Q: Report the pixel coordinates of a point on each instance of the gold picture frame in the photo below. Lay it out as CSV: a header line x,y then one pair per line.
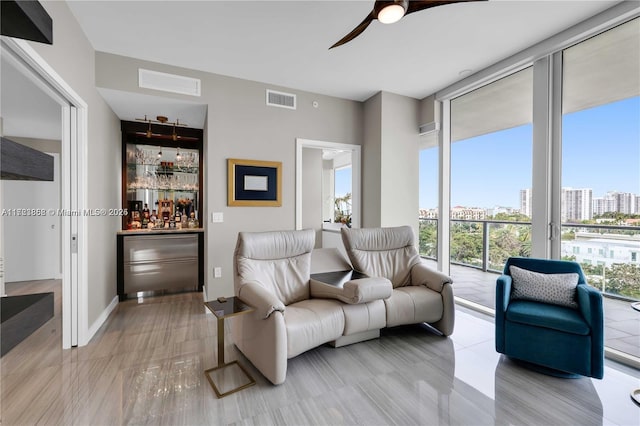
x,y
254,183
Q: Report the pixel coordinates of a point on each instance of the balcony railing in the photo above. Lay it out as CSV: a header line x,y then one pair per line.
x,y
609,255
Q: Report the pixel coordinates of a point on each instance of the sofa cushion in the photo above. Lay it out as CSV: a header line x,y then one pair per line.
x,y
545,315
311,323
558,289
364,317
413,304
382,252
279,261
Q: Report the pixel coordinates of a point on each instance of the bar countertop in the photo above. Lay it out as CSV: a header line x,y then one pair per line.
x,y
160,231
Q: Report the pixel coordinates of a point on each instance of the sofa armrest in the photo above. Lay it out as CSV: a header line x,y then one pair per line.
x,y
259,298
503,294
423,275
353,292
590,305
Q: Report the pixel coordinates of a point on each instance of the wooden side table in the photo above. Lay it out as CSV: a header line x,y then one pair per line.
x,y
230,307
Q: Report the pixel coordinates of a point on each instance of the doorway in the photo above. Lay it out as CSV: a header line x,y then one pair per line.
x,y
327,189
72,135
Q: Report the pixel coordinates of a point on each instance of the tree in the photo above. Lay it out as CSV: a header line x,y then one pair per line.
x,y
624,279
342,206
466,243
428,238
512,217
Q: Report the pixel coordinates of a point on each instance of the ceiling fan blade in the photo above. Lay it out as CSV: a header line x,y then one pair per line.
x,y
356,31
418,5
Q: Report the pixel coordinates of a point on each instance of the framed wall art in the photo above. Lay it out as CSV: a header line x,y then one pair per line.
x,y
253,183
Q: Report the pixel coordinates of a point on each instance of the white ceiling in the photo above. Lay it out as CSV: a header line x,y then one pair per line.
x,y
286,42
131,106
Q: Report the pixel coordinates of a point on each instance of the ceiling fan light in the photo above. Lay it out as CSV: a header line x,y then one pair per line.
x,y
390,14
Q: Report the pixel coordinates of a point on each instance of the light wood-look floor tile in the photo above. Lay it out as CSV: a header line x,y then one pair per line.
x,y
146,366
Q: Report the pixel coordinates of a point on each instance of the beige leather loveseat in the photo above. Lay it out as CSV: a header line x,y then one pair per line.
x,y
294,313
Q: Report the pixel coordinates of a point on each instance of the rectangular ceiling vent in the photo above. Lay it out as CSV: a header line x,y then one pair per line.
x,y
168,82
281,99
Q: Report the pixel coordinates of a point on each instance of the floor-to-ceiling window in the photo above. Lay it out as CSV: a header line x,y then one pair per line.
x,y
562,148
428,200
491,158
600,193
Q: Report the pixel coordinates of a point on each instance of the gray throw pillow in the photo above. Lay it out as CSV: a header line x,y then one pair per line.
x,y
557,289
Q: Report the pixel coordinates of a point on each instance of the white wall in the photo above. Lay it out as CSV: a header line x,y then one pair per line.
x,y
312,192
240,125
72,57
33,242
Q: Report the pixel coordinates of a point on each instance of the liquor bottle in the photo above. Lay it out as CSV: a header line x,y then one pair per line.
x,y
192,221
172,223
145,216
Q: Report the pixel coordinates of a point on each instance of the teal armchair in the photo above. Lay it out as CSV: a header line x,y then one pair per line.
x,y
560,340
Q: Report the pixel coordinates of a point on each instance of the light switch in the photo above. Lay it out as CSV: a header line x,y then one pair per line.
x,y
217,217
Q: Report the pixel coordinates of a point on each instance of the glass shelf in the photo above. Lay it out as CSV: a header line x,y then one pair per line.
x,y
164,180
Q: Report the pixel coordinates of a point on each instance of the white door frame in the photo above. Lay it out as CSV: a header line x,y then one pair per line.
x,y
355,176
73,168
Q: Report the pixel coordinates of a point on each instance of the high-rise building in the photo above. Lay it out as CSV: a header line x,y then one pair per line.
x,y
576,204
602,205
624,202
613,201
525,202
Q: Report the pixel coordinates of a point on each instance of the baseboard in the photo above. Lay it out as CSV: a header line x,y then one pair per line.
x,y
100,320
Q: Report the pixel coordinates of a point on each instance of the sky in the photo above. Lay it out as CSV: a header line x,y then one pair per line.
x,y
342,181
601,150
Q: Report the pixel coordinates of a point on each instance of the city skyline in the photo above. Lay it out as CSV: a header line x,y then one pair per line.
x,y
574,207
601,150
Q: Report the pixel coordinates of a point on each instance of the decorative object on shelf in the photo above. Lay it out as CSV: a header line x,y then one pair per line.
x,y
165,209
253,183
390,11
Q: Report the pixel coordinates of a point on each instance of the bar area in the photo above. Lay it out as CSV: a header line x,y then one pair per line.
x,y
161,244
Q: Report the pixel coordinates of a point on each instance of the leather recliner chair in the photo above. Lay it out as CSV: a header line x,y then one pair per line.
x,y
420,294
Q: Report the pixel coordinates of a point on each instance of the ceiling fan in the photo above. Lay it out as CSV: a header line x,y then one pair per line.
x,y
390,11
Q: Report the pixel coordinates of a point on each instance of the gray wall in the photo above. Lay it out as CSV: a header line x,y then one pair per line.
x,y
240,125
72,57
312,192
400,161
390,152
371,162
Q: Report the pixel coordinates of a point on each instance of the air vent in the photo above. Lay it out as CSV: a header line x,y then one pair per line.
x,y
281,99
428,128
168,82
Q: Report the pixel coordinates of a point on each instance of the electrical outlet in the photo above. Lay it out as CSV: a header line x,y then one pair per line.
x,y
217,272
